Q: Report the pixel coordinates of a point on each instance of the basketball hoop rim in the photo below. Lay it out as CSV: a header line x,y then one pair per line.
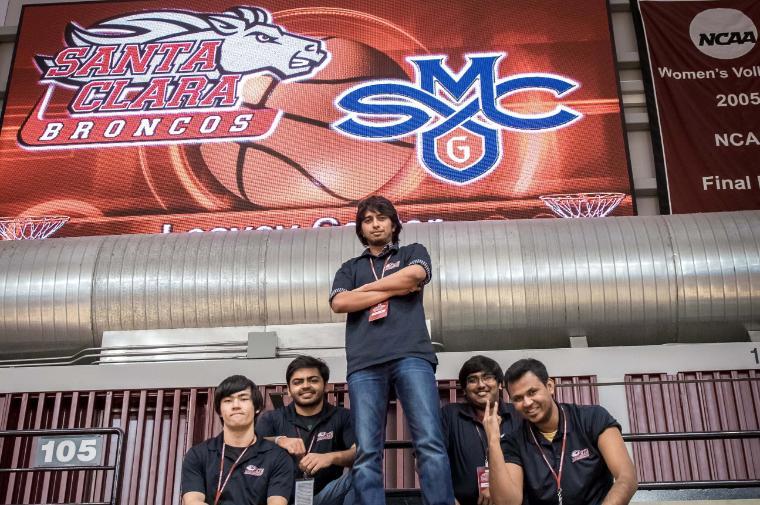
x,y
30,227
581,196
31,219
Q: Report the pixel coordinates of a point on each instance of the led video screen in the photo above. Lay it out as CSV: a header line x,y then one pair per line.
x,y
176,116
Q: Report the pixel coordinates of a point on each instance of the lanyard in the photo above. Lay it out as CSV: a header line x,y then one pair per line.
x,y
311,444
220,486
372,267
557,475
313,437
482,444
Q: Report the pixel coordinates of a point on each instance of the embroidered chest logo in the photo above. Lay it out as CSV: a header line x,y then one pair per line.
x,y
580,454
392,265
324,435
254,471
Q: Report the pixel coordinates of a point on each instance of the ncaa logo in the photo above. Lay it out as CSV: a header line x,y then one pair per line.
x,y
457,117
724,34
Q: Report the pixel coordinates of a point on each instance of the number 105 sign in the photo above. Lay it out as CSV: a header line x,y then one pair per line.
x,y
74,450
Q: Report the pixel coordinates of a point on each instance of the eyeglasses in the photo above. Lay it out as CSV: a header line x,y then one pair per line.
x,y
487,378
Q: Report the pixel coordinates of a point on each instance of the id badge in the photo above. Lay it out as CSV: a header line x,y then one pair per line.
x,y
482,477
378,311
304,492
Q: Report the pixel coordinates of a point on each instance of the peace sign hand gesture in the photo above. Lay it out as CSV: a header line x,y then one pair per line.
x,y
492,422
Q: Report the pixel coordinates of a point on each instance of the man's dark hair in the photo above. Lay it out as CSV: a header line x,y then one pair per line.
x,y
381,205
307,362
235,384
479,363
523,366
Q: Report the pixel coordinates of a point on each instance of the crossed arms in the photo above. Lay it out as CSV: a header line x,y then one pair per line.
x,y
405,281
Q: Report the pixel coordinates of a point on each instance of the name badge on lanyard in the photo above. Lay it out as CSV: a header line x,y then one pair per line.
x,y
304,492
380,310
482,477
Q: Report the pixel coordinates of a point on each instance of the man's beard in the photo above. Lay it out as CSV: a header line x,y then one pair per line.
x,y
308,403
377,242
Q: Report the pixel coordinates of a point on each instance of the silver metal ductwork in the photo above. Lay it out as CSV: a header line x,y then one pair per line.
x,y
496,285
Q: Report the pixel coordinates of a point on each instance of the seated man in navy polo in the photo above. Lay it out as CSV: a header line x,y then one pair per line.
x,y
318,436
562,453
482,380
236,467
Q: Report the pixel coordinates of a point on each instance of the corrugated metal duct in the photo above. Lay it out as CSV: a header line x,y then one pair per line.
x,y
497,284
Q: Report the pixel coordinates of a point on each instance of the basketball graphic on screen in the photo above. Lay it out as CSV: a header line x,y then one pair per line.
x,y
304,162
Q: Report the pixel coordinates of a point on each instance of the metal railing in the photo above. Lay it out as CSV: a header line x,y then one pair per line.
x,y
105,467
649,437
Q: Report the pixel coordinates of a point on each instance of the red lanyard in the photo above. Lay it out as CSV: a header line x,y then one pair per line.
x,y
483,445
220,486
313,437
311,444
557,476
372,267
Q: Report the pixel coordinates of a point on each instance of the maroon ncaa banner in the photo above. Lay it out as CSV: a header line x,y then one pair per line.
x,y
704,65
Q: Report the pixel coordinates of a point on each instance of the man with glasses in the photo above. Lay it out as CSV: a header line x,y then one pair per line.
x,y
481,381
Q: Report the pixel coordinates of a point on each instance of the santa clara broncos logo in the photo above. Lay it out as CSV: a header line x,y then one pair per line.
x,y
190,53
166,61
390,110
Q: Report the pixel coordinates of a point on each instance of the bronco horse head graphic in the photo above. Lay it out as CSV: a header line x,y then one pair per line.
x,y
249,43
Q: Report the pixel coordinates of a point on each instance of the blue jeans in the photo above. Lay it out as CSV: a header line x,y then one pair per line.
x,y
338,492
415,385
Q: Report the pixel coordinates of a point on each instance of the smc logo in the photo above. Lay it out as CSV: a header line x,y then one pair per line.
x,y
441,101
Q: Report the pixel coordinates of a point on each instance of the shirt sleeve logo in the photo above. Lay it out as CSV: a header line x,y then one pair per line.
x,y
254,471
324,435
579,454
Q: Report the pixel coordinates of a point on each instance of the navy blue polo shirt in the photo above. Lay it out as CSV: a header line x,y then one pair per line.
x,y
467,445
585,477
265,470
332,431
403,332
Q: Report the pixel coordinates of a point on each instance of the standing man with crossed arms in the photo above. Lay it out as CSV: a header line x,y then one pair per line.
x,y
388,346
